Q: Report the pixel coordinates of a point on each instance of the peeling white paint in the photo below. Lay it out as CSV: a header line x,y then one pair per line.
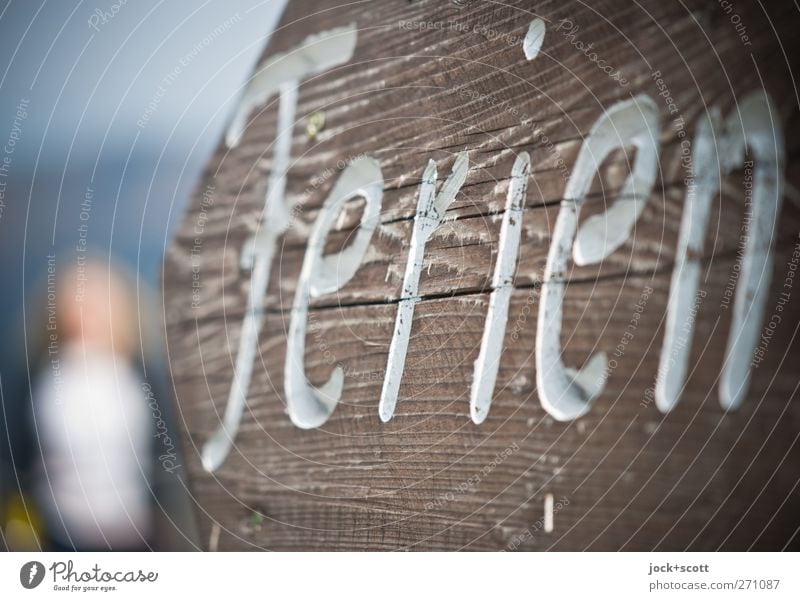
x,y
257,255
317,53
548,513
431,209
674,359
568,393
602,234
565,393
484,374
310,406
719,148
280,75
533,39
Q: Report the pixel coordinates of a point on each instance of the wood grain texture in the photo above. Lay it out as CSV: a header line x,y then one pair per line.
x,y
625,476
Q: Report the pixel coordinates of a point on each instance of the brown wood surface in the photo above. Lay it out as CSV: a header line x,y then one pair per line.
x,y
625,476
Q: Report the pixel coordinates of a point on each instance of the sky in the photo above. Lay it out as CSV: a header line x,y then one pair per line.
x,y
111,109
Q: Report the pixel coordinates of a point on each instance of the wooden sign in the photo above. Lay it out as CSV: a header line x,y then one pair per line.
x,y
471,275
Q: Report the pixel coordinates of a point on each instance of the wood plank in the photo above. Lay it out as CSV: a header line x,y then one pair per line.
x,y
624,476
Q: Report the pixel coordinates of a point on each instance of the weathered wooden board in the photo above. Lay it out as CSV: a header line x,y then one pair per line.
x,y
427,80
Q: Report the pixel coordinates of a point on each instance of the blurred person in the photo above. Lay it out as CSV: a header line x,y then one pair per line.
x,y
91,420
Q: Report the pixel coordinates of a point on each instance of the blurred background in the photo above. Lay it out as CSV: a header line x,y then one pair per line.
x,y
108,111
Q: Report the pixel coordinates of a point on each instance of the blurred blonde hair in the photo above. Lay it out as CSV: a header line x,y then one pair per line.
x,y
97,303
96,307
